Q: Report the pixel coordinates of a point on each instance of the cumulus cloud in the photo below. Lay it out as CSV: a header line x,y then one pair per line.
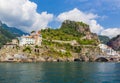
x,y
89,18
111,32
23,15
77,15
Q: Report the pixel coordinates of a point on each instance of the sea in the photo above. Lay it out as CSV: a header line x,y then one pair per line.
x,y
60,72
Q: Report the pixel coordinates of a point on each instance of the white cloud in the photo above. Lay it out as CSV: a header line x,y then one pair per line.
x,y
23,14
89,18
95,27
77,15
111,32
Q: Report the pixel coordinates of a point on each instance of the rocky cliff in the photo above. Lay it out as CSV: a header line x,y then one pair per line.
x,y
79,27
115,43
71,30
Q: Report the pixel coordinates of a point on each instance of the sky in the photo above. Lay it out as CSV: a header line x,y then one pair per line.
x,y
103,16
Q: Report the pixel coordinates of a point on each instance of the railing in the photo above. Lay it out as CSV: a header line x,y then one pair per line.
x,y
108,56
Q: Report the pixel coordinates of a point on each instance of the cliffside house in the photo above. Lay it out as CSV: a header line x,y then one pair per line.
x,y
9,45
15,41
12,44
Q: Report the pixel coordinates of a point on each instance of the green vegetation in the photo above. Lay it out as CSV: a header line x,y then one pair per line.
x,y
5,36
8,33
14,30
104,39
69,31
55,53
36,46
32,31
27,49
64,46
87,42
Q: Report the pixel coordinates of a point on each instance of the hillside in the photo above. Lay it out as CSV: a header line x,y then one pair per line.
x,y
115,43
71,30
14,30
104,39
7,33
5,36
74,39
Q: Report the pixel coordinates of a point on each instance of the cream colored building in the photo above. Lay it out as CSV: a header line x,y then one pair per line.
x,y
32,39
15,41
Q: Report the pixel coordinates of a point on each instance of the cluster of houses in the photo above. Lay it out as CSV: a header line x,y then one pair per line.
x,y
35,38
108,50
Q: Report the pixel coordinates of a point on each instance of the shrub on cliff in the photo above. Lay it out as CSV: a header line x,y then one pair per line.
x,y
27,49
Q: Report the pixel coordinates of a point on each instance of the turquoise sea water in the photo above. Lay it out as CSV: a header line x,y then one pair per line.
x,y
62,72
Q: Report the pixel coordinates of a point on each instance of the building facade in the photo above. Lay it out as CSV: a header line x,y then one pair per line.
x,y
32,39
108,50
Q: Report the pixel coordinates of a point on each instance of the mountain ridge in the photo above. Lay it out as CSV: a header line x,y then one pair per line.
x,y
5,36
14,30
104,39
8,33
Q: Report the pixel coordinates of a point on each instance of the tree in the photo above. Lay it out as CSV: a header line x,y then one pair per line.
x,y
32,32
27,49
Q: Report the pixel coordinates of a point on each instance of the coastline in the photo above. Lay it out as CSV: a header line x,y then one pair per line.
x,y
52,60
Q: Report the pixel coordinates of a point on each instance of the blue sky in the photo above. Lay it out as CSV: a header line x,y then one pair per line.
x,y
108,10
102,15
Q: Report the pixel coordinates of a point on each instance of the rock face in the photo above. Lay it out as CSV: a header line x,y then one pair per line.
x,y
115,43
82,28
79,28
76,26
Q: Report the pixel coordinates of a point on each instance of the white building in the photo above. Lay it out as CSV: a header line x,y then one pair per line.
x,y
108,50
33,39
25,40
